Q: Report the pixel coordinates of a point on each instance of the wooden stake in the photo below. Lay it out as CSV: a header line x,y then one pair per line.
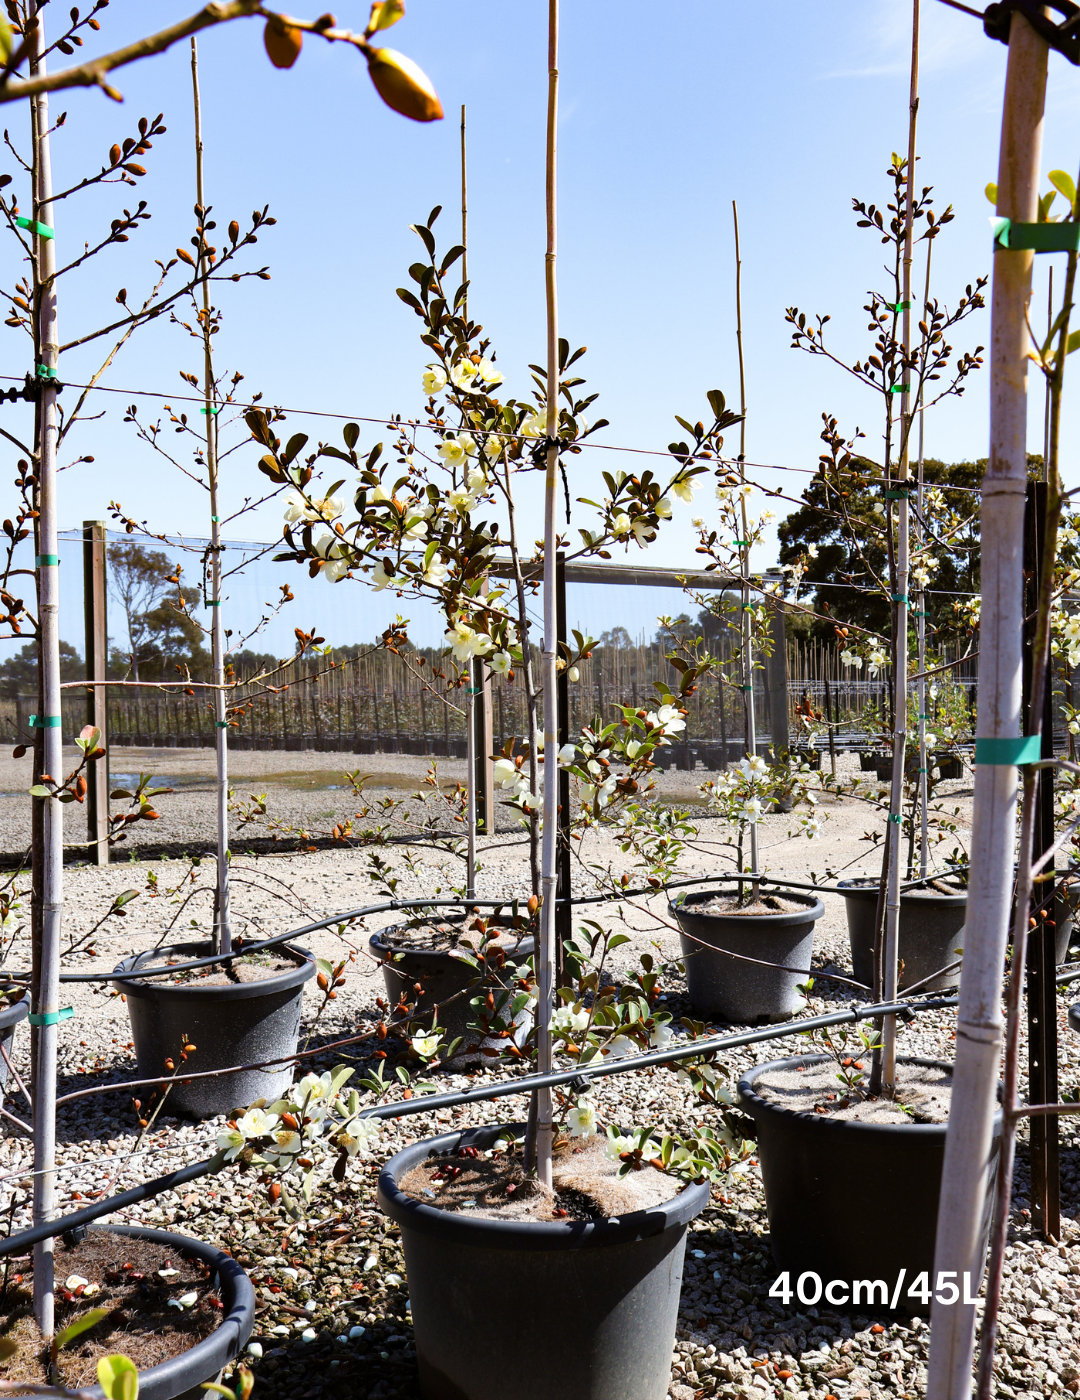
x,y
95,609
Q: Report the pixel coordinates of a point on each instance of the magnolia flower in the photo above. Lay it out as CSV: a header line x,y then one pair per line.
x,y
505,772
381,578
461,500
465,642
619,1046
617,1144
462,374
232,1143
452,451
415,528
493,447
876,660
313,1087
487,373
812,550
336,554
296,508
568,755
501,662
633,748
851,658
667,718
569,1019
660,1034
257,1123
380,495
684,489
662,509
621,525
426,1046
328,508
535,425
477,480
643,531
754,767
531,801
581,1120
750,811
573,673
812,827
436,572
287,1143
434,379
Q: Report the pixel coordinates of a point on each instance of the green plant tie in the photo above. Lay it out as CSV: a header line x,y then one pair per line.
x,y
42,230
44,561
1006,753
50,1018
213,411
1040,238
920,614
899,597
216,519
745,687
743,544
46,371
474,690
214,603
895,817
44,721
899,388
221,724
900,306
899,495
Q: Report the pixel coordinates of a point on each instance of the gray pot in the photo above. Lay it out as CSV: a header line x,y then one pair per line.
x,y
237,1024
445,981
10,1016
726,988
182,1377
931,930
596,1300
814,1167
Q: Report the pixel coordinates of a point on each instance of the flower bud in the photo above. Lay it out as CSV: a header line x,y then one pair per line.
x,y
282,42
404,86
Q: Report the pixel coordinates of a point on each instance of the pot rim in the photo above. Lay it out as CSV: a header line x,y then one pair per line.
x,y
814,910
12,1014
865,885
206,1358
521,1234
238,991
757,1106
377,943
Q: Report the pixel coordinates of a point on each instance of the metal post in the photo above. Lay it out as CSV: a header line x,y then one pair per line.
x,y
95,605
1041,958
563,914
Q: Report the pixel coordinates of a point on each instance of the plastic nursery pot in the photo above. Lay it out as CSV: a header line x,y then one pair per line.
x,y
849,1200
868,762
745,993
596,1301
10,1016
182,1377
446,980
948,765
931,931
233,1024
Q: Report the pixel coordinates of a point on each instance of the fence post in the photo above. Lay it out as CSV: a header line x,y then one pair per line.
x,y
95,608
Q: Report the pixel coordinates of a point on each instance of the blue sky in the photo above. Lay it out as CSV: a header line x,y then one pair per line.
x,y
667,116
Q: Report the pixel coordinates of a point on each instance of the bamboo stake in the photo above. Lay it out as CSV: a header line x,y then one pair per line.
x,y
222,940
993,837
45,991
924,793
549,853
900,604
746,621
474,665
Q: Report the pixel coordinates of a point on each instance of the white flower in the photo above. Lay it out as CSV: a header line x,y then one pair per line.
x,y
232,1143
466,643
381,577
426,1046
643,531
812,550
415,528
569,1020
663,509
876,660
621,525
505,772
296,508
328,508
436,572
463,373
753,768
619,1046
434,379
531,801
667,718
452,451
812,827
493,447
535,425
461,500
660,1034
568,755
477,481
573,674
487,373
256,1123
288,1143
684,489
581,1120
501,662
616,1145
750,811
380,495
851,658
74,1281
336,554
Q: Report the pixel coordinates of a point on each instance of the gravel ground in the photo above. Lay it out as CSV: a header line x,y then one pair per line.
x,y
340,1281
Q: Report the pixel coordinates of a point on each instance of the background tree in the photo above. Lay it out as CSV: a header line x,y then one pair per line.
x,y
161,634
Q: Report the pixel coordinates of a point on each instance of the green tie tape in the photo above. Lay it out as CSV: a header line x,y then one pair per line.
x,y
213,411
214,603
899,388
42,230
221,724
216,519
46,372
743,544
920,614
44,721
1005,753
1040,238
899,597
474,690
50,1018
895,817
900,306
744,687
44,561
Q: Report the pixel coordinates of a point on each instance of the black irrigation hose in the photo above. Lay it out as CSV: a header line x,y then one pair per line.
x,y
431,1103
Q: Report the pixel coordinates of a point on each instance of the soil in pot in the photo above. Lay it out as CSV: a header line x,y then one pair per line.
x,y
850,1194
744,964
136,1280
585,1180
432,955
250,967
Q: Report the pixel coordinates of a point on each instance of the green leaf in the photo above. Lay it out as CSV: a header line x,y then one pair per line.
x,y
118,1378
79,1326
1062,181
351,434
385,14
991,193
38,791
8,1348
220,1389
1045,202
717,402
341,1074
1073,342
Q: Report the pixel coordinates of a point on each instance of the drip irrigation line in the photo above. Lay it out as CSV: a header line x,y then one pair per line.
x,y
70,1167
525,1085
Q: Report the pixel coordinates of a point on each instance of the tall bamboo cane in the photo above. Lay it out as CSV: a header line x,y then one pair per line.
x,y
924,793
993,834
548,854
222,923
45,990
475,665
746,626
900,599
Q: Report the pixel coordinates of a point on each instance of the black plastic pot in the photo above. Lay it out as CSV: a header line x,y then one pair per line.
x,y
235,1024
850,1200
948,765
446,981
745,993
10,1016
597,1298
868,762
931,930
182,1377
